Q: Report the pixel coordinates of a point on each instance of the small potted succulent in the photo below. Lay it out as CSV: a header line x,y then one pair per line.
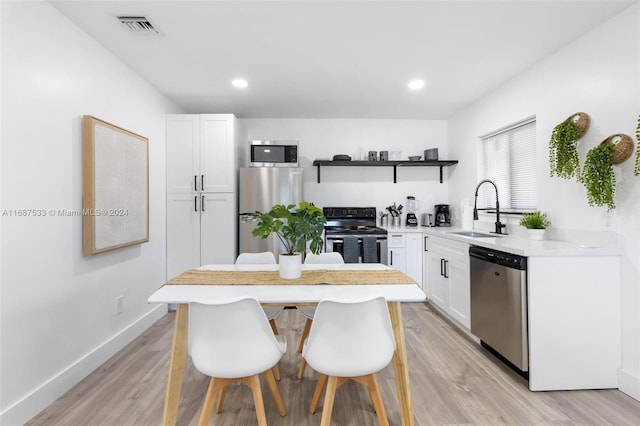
x,y
294,227
536,223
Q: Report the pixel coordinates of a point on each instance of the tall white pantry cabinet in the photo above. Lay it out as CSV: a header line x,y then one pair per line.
x,y
201,190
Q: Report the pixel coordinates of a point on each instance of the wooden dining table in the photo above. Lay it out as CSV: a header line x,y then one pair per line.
x,y
345,282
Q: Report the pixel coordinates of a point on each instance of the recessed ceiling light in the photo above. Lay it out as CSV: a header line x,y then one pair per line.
x,y
416,84
239,83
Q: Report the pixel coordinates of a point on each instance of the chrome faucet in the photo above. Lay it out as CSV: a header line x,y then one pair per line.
x,y
499,225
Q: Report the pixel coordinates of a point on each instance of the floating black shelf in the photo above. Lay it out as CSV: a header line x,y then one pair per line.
x,y
394,164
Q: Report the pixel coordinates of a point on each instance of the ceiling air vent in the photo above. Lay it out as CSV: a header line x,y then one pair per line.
x,y
137,25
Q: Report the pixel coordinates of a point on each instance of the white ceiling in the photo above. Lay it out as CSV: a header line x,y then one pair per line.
x,y
336,59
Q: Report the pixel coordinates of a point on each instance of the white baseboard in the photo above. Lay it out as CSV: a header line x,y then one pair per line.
x,y
41,397
629,384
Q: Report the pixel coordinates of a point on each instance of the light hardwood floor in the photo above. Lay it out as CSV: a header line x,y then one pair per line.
x,y
453,381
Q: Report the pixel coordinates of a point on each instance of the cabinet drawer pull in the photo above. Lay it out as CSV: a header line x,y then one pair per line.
x,y
442,267
425,243
202,203
202,182
391,253
195,203
195,182
446,267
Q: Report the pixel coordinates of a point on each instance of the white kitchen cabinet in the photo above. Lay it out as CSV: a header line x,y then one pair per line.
x,y
414,256
197,236
574,322
201,153
397,253
405,253
447,280
201,194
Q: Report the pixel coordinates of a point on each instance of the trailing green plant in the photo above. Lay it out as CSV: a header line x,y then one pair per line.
x,y
598,176
636,167
535,220
563,152
293,226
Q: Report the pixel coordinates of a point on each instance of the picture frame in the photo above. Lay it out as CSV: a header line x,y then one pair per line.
x,y
115,194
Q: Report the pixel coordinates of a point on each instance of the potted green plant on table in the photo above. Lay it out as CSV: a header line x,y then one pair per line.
x,y
537,223
294,227
598,176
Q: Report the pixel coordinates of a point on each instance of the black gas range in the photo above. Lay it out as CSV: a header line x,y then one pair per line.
x,y
352,231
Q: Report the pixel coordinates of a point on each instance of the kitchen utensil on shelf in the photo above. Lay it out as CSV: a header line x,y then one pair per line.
x,y
431,154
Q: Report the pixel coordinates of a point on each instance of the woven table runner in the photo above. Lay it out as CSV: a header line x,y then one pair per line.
x,y
320,276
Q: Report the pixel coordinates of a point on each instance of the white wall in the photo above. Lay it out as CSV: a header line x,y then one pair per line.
x,y
58,319
360,186
598,74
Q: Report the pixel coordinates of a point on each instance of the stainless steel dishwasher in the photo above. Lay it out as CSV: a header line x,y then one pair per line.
x,y
499,303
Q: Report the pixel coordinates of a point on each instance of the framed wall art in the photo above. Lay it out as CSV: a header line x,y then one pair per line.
x,y
115,187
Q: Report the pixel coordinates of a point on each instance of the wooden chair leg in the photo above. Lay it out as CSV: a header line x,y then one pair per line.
x,y
329,397
254,383
305,334
216,388
273,387
322,379
376,399
303,365
209,399
274,327
221,394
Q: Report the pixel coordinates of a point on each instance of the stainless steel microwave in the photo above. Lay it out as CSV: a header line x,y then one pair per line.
x,y
273,154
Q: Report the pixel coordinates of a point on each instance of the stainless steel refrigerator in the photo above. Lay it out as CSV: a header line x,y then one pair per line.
x,y
260,188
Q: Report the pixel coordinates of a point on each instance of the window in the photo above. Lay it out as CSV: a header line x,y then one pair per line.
x,y
509,159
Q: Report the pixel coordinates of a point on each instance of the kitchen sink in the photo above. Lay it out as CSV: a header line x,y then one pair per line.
x,y
473,234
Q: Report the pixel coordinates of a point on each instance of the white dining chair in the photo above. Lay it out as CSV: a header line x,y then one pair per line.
x,y
272,312
351,340
309,311
233,342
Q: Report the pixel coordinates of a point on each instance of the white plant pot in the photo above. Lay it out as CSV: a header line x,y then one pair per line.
x,y
290,265
536,234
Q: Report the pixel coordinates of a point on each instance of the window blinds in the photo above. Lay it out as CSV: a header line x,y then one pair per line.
x,y
509,159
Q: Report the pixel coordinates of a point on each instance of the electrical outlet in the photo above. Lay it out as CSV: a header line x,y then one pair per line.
x,y
119,304
609,223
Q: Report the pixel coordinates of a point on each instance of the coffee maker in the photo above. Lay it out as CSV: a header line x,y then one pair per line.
x,y
443,215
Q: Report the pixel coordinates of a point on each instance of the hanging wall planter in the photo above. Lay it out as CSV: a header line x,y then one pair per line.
x,y
636,167
598,177
563,153
622,147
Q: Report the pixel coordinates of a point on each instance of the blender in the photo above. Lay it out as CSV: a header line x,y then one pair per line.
x,y
412,207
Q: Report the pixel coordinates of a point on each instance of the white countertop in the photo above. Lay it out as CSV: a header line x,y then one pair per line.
x,y
521,245
418,229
